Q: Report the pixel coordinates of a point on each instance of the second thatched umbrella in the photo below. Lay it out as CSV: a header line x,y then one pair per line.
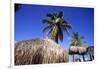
x,y
73,50
77,46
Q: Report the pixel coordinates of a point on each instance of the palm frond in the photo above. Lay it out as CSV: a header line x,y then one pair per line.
x,y
46,28
47,21
77,39
66,30
75,35
60,14
50,15
57,25
66,24
60,33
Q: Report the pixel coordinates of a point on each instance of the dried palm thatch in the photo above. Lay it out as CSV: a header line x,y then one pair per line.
x,y
80,50
77,50
39,51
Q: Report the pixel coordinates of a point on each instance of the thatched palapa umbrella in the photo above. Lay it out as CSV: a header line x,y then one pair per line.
x,y
39,51
77,46
73,50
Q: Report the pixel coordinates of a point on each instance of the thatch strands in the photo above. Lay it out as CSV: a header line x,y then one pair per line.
x,y
39,51
77,50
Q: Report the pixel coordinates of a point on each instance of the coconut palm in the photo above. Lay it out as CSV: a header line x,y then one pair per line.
x,y
56,25
77,45
76,40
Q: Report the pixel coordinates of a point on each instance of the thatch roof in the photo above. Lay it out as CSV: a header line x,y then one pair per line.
x,y
39,51
77,50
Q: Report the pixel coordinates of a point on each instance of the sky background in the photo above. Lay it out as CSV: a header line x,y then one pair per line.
x,y
28,22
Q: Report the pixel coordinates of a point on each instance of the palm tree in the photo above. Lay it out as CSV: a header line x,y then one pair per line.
x,y
76,40
77,45
56,25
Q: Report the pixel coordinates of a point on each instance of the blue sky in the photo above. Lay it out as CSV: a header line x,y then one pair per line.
x,y
28,22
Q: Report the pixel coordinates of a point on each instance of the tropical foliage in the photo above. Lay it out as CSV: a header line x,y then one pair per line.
x,y
56,25
77,40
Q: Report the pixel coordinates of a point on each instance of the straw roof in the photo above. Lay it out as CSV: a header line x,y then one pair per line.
x,y
77,50
39,51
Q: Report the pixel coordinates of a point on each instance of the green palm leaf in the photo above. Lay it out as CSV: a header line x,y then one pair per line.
x,y
60,33
46,28
60,14
56,25
76,40
47,21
